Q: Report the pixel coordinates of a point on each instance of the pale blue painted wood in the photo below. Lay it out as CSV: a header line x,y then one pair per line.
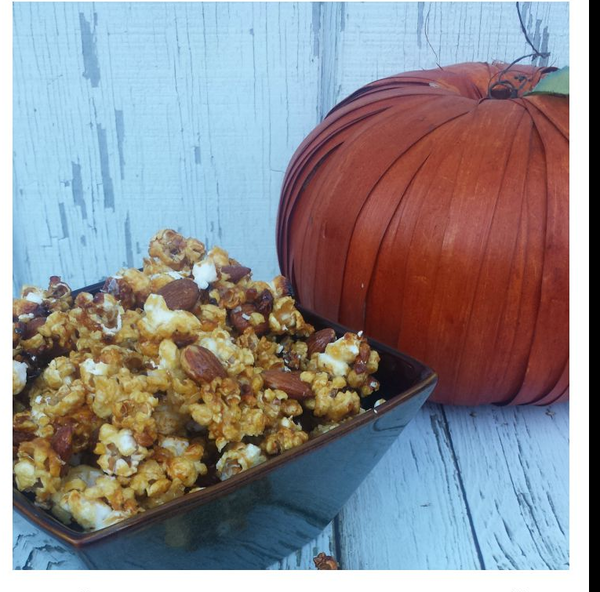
x,y
466,488
514,465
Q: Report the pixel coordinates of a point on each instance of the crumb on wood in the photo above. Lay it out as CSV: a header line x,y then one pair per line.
x,y
323,561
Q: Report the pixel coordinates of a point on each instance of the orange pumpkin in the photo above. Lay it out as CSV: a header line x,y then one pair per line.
x,y
433,214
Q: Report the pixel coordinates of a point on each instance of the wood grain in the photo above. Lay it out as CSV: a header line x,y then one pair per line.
x,y
480,488
514,464
410,513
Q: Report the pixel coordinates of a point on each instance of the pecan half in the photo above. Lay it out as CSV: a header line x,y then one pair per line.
x,y
180,294
200,364
289,383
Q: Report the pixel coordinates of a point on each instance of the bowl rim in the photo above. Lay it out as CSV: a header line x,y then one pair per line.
x,y
78,540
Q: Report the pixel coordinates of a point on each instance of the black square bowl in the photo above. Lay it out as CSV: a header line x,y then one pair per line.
x,y
261,515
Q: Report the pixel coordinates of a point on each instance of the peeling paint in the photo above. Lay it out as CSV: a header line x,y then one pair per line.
x,y
128,242
317,9
120,127
77,189
420,23
544,48
63,220
107,183
91,68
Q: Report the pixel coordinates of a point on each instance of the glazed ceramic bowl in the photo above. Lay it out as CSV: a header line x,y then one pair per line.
x,y
261,515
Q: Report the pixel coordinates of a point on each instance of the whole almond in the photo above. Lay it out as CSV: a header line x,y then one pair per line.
x,y
288,382
200,364
180,294
235,272
318,341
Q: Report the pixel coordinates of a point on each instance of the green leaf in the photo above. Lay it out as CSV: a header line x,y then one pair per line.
x,y
556,83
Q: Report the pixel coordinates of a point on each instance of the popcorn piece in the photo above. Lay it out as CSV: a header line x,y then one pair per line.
x,y
92,499
339,355
284,436
239,457
285,318
175,251
234,358
161,323
182,459
205,273
51,404
119,453
101,312
331,401
38,469
19,376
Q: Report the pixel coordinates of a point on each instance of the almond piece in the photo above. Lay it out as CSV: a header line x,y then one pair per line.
x,y
180,294
318,341
31,328
264,303
289,383
121,290
240,319
200,364
235,272
62,442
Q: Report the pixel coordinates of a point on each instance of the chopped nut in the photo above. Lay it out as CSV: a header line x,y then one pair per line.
x,y
323,561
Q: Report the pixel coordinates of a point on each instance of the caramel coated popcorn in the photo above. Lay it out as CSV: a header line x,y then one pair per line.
x,y
168,380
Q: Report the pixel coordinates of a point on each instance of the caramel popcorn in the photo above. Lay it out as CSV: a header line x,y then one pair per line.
x,y
170,378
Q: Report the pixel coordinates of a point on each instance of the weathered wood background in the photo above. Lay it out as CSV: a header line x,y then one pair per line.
x,y
133,117
129,117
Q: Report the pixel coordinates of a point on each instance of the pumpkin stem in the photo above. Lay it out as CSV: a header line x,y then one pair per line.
x,y
502,89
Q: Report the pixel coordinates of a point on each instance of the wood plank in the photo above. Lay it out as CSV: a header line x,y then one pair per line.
x,y
410,512
514,463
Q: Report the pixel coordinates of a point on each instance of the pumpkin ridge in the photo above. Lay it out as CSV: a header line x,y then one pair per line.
x,y
330,187
484,253
545,301
524,229
374,187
